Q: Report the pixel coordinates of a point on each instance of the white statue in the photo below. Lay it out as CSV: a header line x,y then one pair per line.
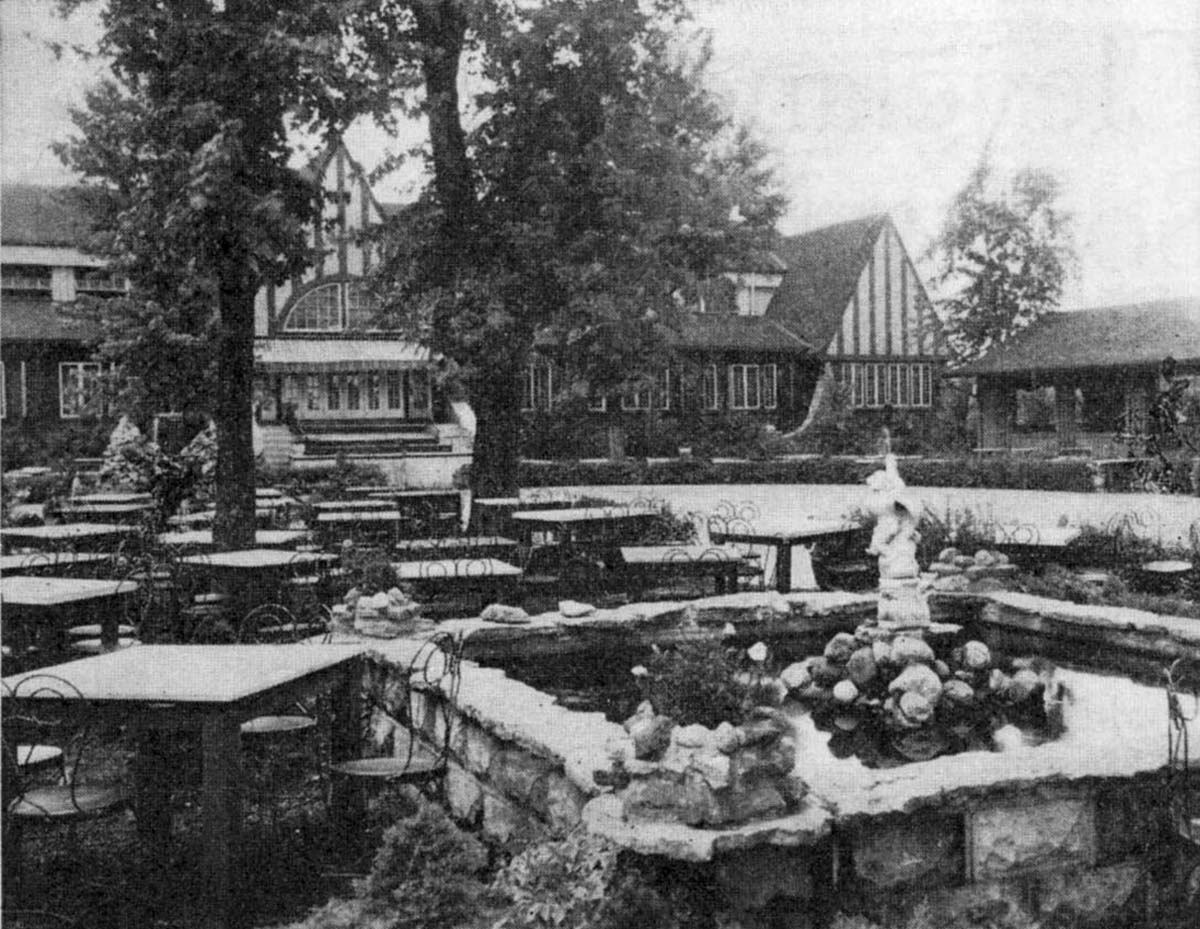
x,y
894,542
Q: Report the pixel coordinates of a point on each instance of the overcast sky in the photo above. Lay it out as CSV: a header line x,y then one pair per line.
x,y
879,105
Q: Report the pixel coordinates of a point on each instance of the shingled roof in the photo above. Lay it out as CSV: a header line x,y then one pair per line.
x,y
750,333
1114,336
37,319
32,215
823,268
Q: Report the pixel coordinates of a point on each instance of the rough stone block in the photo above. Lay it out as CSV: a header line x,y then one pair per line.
x,y
504,821
464,795
477,748
1037,834
519,774
902,850
1129,820
563,805
754,877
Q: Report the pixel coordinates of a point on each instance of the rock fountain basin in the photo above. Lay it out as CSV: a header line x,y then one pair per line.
x,y
1079,822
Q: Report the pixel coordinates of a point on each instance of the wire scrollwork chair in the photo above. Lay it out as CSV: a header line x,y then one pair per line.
x,y
48,728
420,703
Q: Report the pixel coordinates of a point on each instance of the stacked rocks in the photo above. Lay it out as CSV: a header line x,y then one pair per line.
x,y
708,777
383,615
955,571
889,700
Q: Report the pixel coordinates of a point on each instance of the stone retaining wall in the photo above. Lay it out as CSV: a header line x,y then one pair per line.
x,y
1056,839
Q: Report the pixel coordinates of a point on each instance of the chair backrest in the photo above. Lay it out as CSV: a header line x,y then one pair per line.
x,y
275,624
43,709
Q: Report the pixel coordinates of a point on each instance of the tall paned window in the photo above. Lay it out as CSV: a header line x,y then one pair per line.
x,y
420,394
709,391
744,391
78,389
333,391
768,382
395,391
3,392
662,389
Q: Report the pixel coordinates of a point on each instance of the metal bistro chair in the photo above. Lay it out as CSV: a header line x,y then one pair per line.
x,y
421,707
44,713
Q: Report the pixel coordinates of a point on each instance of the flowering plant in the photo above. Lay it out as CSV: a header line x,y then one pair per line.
x,y
704,681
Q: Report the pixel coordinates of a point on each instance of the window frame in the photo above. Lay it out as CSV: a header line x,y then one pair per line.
x,y
745,376
80,405
710,388
769,400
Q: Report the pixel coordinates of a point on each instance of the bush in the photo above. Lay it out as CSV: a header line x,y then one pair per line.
x,y
29,444
1014,473
424,876
325,481
701,682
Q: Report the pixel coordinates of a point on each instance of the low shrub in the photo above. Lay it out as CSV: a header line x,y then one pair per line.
x,y
425,876
29,443
702,681
1013,473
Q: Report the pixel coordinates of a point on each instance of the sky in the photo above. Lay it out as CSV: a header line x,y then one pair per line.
x,y
871,105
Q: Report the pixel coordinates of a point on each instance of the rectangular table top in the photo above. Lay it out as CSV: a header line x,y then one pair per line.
x,y
105,509
34,591
465,541
683,554
263,538
41,561
211,675
255,559
347,506
590,514
496,501
264,510
390,492
785,534
65,532
110,497
263,492
359,516
457,568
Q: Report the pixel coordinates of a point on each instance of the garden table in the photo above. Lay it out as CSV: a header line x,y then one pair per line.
x,y
42,608
254,575
59,564
110,497
376,525
1033,544
784,537
352,506
647,562
444,546
202,539
489,577
105,512
66,534
570,523
162,689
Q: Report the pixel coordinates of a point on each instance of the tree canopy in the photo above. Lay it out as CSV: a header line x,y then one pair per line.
x,y
580,195
1002,257
595,188
187,145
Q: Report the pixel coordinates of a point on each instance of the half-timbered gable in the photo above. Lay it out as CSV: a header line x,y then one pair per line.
x,y
329,370
851,290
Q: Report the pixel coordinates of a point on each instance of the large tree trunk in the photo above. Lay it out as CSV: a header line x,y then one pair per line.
x,y
496,398
233,526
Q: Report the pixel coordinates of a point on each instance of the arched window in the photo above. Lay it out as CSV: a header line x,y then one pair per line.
x,y
333,308
319,310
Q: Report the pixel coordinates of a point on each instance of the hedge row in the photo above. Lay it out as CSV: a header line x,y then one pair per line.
x,y
1009,473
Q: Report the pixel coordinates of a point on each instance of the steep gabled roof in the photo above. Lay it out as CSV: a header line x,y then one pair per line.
x,y
49,216
1130,335
726,331
37,319
823,268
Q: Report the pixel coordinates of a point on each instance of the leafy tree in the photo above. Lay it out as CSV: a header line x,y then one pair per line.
x,y
1003,256
185,150
595,188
